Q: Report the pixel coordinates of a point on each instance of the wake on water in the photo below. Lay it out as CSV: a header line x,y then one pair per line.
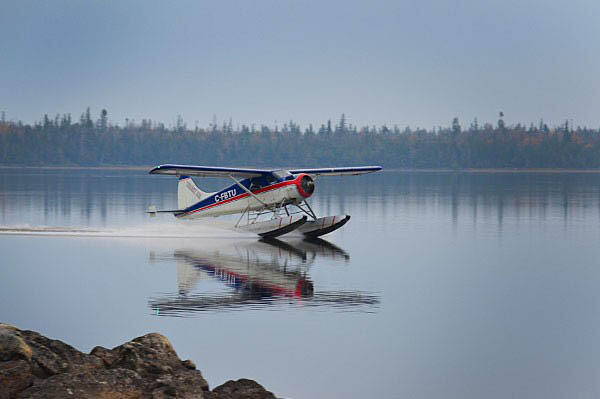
x,y
204,229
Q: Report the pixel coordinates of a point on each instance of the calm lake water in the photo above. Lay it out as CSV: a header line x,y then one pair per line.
x,y
450,285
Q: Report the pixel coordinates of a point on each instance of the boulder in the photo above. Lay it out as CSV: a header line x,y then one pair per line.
x,y
118,383
51,356
12,344
15,376
241,389
35,366
189,364
152,356
149,355
106,355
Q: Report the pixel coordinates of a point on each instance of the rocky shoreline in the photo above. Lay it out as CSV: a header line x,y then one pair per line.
x,y
34,366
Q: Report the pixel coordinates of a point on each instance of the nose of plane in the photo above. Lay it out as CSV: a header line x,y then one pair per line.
x,y
304,288
306,185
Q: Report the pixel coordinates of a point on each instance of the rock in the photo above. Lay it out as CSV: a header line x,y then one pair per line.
x,y
151,356
148,355
34,366
104,354
180,385
117,383
50,356
188,364
12,344
241,389
15,376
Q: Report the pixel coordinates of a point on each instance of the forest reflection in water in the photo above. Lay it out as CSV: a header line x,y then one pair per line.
x,y
114,197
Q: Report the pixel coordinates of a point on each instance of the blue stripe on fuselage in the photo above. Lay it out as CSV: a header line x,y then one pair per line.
x,y
235,188
232,191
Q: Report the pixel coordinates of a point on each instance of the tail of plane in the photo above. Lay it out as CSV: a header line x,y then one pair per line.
x,y
188,193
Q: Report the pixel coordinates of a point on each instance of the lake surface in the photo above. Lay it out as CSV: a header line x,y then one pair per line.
x,y
454,285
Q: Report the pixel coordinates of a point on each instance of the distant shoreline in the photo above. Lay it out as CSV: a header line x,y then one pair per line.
x,y
496,170
406,170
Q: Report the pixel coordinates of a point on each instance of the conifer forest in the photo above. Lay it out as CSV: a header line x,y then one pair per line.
x,y
95,141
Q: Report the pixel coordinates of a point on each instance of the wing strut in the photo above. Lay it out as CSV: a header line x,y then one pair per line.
x,y
310,209
251,193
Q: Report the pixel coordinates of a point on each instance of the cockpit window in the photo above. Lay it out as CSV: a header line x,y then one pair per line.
x,y
268,179
256,183
262,181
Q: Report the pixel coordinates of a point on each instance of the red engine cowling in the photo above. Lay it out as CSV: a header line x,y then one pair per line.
x,y
305,185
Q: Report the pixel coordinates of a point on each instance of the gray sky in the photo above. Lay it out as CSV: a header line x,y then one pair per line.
x,y
417,63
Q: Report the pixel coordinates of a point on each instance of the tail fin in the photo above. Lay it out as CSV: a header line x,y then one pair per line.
x,y
188,193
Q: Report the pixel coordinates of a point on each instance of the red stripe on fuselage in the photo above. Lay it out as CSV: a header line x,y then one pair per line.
x,y
243,195
273,286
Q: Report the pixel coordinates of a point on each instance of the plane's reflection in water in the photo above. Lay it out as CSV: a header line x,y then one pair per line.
x,y
260,274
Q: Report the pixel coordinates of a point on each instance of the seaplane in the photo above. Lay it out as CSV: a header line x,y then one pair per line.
x,y
271,202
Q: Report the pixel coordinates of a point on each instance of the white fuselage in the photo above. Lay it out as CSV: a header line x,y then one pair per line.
x,y
236,199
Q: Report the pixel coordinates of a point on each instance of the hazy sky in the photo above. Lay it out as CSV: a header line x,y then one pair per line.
x,y
417,63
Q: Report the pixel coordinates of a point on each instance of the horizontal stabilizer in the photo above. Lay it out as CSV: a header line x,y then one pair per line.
x,y
152,210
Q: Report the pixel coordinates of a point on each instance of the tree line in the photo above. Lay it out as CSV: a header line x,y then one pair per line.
x,y
89,141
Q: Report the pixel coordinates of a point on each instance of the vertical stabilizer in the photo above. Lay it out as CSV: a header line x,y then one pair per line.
x,y
188,193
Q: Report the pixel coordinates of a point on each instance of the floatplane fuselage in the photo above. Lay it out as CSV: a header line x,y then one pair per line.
x,y
254,193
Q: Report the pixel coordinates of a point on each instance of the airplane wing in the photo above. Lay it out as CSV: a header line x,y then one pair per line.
x,y
207,171
215,171
357,170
